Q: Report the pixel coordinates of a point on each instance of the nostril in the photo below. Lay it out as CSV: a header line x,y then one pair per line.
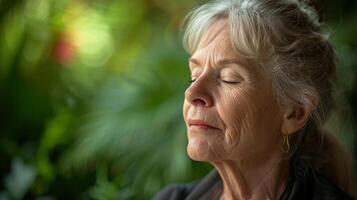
x,y
199,96
200,102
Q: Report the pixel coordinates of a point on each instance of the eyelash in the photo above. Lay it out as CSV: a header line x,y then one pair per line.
x,y
227,82
230,82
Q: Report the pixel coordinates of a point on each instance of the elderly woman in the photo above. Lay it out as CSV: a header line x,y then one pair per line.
x,y
262,75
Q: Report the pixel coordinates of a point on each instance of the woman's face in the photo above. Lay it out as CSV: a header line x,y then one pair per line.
x,y
229,108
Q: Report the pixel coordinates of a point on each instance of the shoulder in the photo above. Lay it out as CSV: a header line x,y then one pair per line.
x,y
306,183
175,192
326,189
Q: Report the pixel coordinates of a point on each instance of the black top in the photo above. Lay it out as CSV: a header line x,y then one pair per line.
x,y
303,184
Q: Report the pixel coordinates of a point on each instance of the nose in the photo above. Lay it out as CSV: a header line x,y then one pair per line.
x,y
199,94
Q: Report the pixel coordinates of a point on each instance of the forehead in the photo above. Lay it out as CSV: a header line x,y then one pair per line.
x,y
216,45
218,30
217,37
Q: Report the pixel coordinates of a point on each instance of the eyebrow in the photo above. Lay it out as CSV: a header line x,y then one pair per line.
x,y
222,62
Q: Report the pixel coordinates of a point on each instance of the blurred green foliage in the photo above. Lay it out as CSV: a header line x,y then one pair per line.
x,y
92,92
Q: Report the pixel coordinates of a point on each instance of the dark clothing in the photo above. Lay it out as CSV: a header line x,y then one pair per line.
x,y
303,184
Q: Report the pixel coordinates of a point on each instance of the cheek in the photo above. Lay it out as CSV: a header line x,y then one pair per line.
x,y
235,112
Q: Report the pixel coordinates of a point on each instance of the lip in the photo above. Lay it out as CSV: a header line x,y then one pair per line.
x,y
200,124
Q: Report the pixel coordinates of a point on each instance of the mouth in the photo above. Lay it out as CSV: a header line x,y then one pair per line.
x,y
200,124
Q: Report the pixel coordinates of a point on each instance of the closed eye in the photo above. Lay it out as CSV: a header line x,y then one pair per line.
x,y
230,82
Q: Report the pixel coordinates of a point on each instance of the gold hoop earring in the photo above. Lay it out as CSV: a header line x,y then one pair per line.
x,y
286,144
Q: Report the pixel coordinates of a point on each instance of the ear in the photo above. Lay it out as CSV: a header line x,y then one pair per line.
x,y
294,119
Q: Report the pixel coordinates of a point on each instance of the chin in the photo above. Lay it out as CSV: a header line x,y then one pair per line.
x,y
197,156
198,149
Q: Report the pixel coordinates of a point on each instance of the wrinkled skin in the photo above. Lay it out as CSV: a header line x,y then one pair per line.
x,y
232,94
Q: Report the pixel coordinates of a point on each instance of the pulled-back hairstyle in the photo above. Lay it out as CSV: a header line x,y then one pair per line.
x,y
285,39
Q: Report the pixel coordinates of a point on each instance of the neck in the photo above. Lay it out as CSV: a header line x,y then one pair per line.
x,y
253,179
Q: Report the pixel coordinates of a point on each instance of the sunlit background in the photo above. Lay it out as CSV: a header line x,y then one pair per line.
x,y
91,96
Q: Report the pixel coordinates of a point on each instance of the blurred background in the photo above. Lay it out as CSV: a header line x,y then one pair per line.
x,y
91,96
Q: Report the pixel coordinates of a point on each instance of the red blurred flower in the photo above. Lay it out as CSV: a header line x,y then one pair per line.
x,y
64,50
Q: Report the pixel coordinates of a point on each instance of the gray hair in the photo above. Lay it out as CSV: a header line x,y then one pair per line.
x,y
285,39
